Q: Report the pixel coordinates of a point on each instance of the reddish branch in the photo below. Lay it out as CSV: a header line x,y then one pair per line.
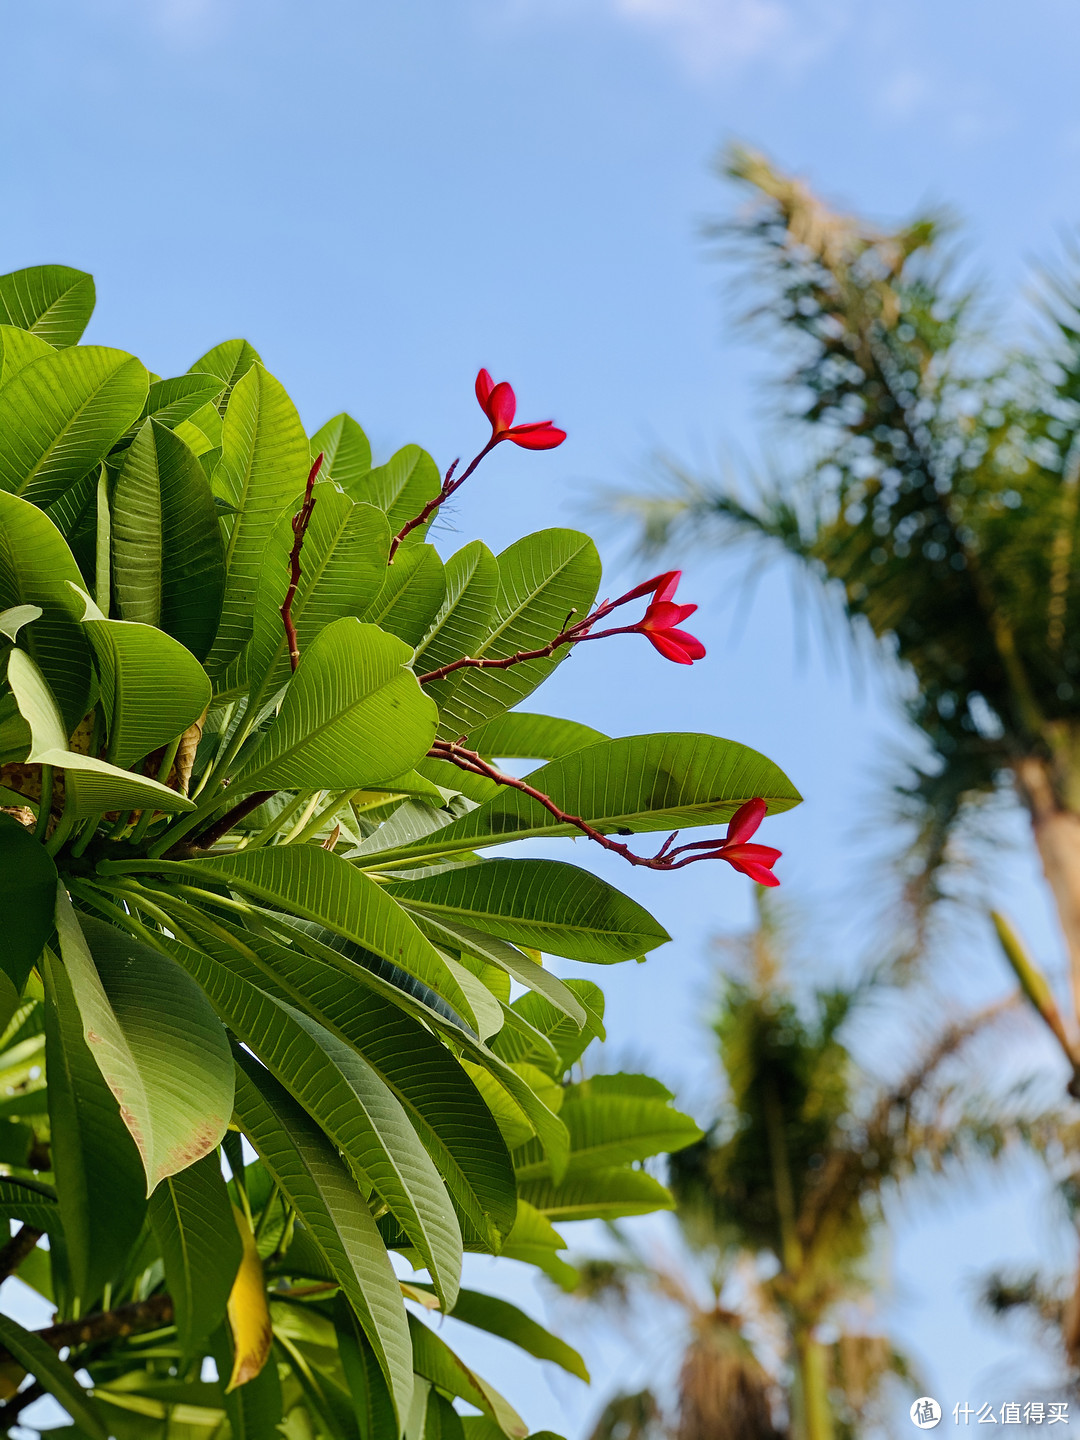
x,y
300,522
449,485
669,857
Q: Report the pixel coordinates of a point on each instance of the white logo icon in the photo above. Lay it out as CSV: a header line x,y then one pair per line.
x,y
925,1413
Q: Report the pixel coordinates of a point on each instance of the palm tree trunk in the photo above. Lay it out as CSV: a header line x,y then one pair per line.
x,y
813,1418
1056,828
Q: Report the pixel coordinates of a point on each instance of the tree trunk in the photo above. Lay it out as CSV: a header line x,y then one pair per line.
x,y
813,1413
1056,829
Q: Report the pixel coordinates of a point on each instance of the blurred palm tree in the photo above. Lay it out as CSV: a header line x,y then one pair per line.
x,y
782,1206
940,509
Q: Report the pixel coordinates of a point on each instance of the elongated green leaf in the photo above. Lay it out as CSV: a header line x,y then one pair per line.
x,y
435,1361
638,783
317,885
168,556
464,618
263,466
598,1195
27,900
442,1422
345,451
442,1103
566,1038
401,488
201,433
494,951
543,903
53,301
352,716
413,590
156,1040
171,401
200,1246
167,552
326,1199
372,1406
37,568
37,1357
152,687
343,566
535,1241
94,785
515,736
542,580
17,349
499,1317
611,1130
354,1107
229,361
60,415
97,1166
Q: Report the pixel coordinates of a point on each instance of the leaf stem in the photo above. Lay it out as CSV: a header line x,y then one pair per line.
x,y
48,781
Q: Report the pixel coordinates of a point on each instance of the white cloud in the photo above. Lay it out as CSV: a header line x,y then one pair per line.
x,y
718,36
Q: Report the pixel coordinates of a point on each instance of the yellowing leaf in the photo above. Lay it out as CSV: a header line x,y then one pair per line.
x,y
249,1314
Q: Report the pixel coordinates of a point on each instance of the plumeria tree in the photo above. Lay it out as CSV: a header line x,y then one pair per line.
x,y
270,1014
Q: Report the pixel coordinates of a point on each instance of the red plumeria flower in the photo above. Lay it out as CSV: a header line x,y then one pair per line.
x,y
753,860
499,404
663,616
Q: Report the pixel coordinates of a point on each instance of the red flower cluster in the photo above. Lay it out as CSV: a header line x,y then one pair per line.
x,y
753,860
663,615
499,404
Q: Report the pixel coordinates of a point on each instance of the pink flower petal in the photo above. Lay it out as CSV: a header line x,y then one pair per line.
x,y
543,436
484,387
501,407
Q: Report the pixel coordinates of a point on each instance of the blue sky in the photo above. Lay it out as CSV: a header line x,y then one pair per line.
x,y
384,197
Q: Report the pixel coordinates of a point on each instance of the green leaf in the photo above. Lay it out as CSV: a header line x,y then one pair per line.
x,y
53,301
60,416
499,1317
443,1105
372,1405
598,1195
542,903
435,1361
191,1214
167,552
401,488
412,592
27,900
12,620
306,1166
493,951
442,1422
535,1241
464,618
17,349
542,580
229,361
345,451
97,1166
343,565
263,466
568,1039
354,1107
315,884
37,568
254,1408
39,1358
515,736
93,785
171,401
637,783
156,1040
152,687
611,1130
353,715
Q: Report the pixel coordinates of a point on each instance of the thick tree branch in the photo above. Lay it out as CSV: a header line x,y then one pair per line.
x,y
134,1319
17,1249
